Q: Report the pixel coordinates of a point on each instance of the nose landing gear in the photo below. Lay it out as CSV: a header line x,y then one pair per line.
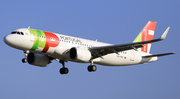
x,y
24,60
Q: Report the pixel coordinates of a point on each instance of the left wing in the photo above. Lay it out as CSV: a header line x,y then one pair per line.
x,y
104,50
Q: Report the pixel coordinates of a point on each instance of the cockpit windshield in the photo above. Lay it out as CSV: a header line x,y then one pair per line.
x,y
17,32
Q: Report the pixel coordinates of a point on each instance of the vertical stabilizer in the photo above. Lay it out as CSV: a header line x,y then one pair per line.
x,y
146,34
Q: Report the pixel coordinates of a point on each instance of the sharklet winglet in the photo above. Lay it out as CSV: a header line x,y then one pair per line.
x,y
164,34
161,38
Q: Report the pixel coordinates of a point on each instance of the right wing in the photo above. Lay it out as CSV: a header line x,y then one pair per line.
x,y
104,50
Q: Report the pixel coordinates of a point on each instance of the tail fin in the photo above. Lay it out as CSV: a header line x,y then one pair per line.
x,y
146,34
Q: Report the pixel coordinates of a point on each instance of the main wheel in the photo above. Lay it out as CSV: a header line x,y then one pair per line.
x,y
92,68
64,70
24,60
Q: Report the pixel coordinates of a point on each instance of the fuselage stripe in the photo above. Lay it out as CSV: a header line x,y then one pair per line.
x,y
44,40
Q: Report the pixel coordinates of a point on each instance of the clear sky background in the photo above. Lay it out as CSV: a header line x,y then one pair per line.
x,y
110,21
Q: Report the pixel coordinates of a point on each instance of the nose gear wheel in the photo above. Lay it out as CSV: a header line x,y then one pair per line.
x,y
24,60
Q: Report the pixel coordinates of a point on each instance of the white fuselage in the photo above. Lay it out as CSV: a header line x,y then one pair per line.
x,y
27,40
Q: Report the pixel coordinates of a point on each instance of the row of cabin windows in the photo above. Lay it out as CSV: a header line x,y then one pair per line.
x,y
21,33
123,52
77,43
65,41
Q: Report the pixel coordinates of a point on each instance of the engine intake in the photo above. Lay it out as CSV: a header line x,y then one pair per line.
x,y
38,59
80,54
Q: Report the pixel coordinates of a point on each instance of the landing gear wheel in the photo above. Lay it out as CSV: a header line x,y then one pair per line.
x,y
64,70
92,68
24,60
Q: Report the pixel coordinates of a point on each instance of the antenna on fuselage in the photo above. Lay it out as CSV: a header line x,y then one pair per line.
x,y
29,27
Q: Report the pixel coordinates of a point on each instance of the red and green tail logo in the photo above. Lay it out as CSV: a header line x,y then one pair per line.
x,y
146,34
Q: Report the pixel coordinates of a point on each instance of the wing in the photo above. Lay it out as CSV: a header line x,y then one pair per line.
x,y
104,50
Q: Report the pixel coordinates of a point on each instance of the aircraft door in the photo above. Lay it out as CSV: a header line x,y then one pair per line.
x,y
32,38
132,56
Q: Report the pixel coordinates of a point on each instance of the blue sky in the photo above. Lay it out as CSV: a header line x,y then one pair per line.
x,y
110,21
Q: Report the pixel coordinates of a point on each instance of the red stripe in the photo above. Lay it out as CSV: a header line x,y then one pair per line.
x,y
51,41
145,35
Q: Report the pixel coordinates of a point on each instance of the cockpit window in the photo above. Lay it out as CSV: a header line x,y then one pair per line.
x,y
14,32
22,33
17,32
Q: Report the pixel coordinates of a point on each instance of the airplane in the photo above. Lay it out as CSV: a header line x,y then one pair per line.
x,y
41,47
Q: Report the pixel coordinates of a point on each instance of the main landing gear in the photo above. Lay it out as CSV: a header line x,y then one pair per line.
x,y
63,70
92,68
24,60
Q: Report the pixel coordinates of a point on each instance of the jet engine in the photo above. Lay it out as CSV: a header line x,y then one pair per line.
x,y
62,51
80,54
38,59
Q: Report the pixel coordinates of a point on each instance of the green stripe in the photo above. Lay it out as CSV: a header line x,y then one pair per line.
x,y
42,39
38,41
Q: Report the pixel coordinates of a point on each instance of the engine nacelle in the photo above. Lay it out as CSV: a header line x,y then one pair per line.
x,y
80,54
62,51
38,59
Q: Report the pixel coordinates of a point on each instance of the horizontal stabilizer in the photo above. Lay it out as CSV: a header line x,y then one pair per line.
x,y
157,55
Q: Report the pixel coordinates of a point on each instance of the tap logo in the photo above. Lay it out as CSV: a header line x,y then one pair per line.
x,y
44,40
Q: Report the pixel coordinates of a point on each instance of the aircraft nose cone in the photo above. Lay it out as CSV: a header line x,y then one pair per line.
x,y
8,39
